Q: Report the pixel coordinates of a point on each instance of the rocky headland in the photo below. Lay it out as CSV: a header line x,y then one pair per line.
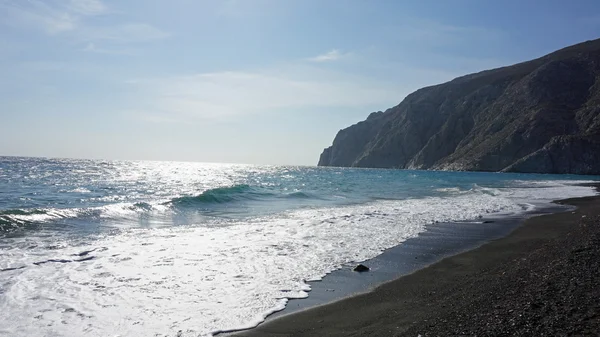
x,y
537,116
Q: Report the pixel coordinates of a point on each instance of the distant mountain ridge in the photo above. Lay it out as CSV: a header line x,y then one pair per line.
x,y
537,116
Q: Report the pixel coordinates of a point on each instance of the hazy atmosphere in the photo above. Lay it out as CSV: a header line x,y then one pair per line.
x,y
264,82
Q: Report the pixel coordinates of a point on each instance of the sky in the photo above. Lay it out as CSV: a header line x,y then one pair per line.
x,y
244,81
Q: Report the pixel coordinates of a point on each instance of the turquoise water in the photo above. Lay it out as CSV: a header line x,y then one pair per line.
x,y
127,248
82,195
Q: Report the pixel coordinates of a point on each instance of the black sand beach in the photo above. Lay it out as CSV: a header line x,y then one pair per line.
x,y
541,280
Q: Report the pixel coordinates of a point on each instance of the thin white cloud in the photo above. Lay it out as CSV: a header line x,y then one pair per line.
x,y
38,15
92,48
70,18
223,95
332,55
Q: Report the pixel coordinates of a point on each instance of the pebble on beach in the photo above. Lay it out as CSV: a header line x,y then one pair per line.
x,y
361,268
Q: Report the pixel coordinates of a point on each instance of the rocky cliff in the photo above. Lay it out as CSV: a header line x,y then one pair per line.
x,y
537,116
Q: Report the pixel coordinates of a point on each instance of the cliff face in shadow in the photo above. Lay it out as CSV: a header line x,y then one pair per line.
x,y
537,116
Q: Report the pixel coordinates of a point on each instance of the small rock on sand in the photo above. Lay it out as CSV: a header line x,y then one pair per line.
x,y
361,268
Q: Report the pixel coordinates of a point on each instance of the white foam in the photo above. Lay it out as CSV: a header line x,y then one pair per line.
x,y
44,215
122,211
449,189
217,277
79,190
536,193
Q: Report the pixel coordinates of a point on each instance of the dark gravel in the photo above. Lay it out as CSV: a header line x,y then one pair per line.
x,y
553,290
541,280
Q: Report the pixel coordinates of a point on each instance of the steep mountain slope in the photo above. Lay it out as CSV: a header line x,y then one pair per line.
x,y
537,116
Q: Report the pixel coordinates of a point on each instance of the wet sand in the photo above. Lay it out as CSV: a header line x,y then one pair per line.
x,y
542,279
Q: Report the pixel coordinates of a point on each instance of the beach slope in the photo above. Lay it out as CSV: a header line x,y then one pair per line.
x,y
541,280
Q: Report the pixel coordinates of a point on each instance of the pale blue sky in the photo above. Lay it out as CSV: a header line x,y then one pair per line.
x,y
263,81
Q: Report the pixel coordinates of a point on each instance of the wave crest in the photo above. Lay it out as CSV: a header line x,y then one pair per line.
x,y
12,220
220,195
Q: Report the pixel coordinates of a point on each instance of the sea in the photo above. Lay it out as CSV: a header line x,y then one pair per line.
x,y
139,248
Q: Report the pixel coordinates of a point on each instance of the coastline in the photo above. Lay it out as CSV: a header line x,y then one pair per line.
x,y
418,303
436,242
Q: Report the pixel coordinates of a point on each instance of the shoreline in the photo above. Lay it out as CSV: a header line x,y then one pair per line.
x,y
436,242
422,295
